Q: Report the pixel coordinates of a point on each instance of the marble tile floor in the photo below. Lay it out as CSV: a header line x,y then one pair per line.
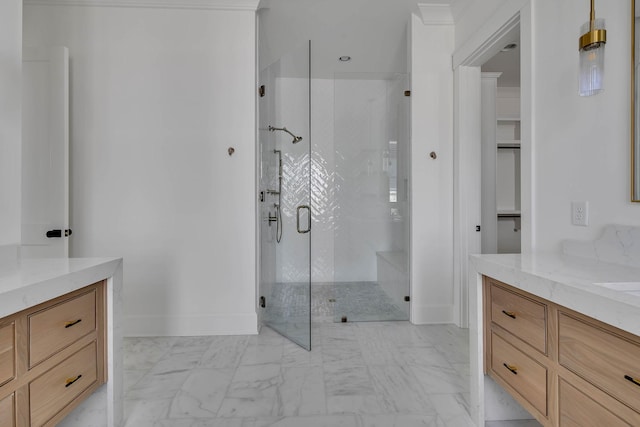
x,y
382,374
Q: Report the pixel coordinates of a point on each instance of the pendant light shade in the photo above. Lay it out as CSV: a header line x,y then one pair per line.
x,y
591,45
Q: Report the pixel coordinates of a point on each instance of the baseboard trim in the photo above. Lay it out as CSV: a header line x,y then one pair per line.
x,y
431,314
184,326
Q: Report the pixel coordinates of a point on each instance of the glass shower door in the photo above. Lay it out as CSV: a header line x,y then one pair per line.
x,y
285,134
371,227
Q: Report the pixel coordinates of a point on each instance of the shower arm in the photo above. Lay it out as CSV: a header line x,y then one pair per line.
x,y
284,129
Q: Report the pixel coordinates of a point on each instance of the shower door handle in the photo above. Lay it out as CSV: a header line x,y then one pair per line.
x,y
298,219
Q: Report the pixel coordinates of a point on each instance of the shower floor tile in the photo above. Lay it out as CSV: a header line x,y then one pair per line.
x,y
331,301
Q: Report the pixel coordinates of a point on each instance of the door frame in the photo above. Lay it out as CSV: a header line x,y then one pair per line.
x,y
467,139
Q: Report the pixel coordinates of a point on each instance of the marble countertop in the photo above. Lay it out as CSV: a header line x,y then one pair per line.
x,y
28,282
581,284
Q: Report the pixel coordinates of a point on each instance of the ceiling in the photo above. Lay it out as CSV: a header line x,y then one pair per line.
x,y
372,32
508,63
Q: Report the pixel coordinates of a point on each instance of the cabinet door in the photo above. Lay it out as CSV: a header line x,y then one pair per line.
x,y
605,359
59,386
523,374
524,318
55,328
7,412
7,353
579,410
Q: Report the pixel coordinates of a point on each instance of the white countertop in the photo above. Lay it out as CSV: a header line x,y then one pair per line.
x,y
28,282
570,281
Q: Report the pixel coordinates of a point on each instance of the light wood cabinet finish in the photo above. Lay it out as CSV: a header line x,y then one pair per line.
x,y
59,386
38,393
591,369
7,353
602,357
7,412
55,328
520,372
523,317
579,410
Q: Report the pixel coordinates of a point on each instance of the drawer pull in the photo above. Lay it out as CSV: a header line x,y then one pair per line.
x,y
633,380
72,380
70,324
511,368
509,313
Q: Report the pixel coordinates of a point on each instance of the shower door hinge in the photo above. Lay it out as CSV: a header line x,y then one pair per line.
x,y
478,228
407,93
407,298
261,91
263,302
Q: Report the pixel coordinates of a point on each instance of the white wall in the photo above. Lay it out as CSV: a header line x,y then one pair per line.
x,y
10,120
157,97
431,180
580,145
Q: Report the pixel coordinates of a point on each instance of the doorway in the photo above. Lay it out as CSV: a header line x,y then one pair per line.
x,y
500,150
504,25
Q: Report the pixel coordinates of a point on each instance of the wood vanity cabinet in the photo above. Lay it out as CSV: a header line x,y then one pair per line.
x,y
52,356
565,368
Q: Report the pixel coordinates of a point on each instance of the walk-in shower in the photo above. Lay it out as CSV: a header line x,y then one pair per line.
x,y
351,171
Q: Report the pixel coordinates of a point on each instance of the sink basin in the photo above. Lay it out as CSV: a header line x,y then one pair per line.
x,y
632,288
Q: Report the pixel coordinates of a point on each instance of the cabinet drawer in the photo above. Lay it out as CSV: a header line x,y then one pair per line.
x,y
523,317
579,410
52,391
7,353
600,356
524,374
57,327
7,412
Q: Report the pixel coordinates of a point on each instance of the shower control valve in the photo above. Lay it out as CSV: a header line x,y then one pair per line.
x,y
272,218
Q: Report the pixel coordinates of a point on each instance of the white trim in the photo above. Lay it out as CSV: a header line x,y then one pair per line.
x,y
470,55
527,150
436,14
197,325
483,45
466,203
154,4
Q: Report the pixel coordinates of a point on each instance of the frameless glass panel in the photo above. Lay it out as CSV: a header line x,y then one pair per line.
x,y
371,177
285,207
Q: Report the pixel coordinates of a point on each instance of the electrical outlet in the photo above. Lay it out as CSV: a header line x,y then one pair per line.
x,y
580,213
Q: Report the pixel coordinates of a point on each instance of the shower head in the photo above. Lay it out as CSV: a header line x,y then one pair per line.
x,y
296,139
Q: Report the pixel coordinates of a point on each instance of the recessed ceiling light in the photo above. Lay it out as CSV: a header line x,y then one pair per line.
x,y
509,47
345,58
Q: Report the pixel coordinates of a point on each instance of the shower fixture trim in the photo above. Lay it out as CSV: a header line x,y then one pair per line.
x,y
296,139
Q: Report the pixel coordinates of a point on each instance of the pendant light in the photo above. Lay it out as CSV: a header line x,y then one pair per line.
x,y
591,43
